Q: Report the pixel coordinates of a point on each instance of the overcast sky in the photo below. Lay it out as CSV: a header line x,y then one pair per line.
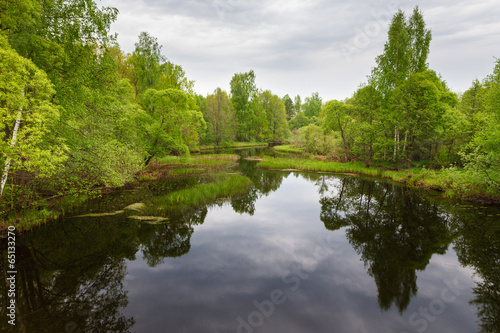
x,y
301,47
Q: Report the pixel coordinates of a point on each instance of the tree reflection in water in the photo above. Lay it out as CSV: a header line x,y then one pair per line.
x,y
395,231
478,246
71,273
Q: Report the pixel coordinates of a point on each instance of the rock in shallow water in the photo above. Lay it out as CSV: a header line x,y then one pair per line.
x,y
136,206
150,219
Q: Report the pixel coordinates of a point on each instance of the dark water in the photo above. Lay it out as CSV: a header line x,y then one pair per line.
x,y
300,253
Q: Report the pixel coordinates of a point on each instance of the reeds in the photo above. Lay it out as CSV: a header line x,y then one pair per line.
x,y
453,182
224,186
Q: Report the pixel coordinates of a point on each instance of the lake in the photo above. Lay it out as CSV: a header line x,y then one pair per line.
x,y
301,252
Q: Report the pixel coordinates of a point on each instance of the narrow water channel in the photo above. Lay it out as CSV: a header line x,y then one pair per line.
x,y
301,252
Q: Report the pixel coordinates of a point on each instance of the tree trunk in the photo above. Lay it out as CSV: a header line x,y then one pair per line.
x,y
404,145
343,140
395,140
12,144
371,149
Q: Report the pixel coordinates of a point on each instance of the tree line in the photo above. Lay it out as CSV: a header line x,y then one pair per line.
x,y
76,112
405,114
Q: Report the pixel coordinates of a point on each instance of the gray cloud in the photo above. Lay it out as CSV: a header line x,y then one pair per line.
x,y
295,47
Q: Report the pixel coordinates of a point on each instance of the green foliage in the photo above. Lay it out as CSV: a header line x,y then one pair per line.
x,y
288,149
268,122
147,61
300,120
90,115
454,134
420,39
289,107
315,121
69,41
242,90
200,161
277,126
453,182
219,115
337,116
151,70
481,106
367,107
314,165
312,105
420,102
172,123
315,141
99,122
223,186
405,52
48,30
393,66
27,116
297,104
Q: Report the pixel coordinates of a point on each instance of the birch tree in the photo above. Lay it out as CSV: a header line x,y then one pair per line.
x,y
26,115
405,53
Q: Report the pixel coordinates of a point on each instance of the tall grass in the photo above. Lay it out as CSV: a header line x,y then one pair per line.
x,y
235,145
209,161
453,182
315,165
289,149
224,186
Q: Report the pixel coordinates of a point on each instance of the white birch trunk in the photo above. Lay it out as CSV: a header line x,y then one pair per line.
x,y
12,144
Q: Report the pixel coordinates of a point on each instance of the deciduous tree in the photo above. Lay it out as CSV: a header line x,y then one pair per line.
x,y
220,117
337,117
312,106
242,90
173,123
289,107
26,118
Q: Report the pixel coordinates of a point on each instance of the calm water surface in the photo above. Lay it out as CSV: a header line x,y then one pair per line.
x,y
300,253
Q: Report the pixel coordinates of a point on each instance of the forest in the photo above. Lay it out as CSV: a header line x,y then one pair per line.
x,y
77,113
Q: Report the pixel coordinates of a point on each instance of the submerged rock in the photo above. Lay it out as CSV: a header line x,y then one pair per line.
x,y
136,206
149,219
102,214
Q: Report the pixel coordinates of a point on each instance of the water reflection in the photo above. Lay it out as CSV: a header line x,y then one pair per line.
x,y
395,231
264,182
70,278
478,246
72,275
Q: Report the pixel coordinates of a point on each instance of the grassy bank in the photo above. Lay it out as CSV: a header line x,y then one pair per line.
x,y
289,149
453,183
199,161
223,186
165,170
234,145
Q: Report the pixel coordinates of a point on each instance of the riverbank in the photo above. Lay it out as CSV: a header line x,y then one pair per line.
x,y
171,170
453,183
233,145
